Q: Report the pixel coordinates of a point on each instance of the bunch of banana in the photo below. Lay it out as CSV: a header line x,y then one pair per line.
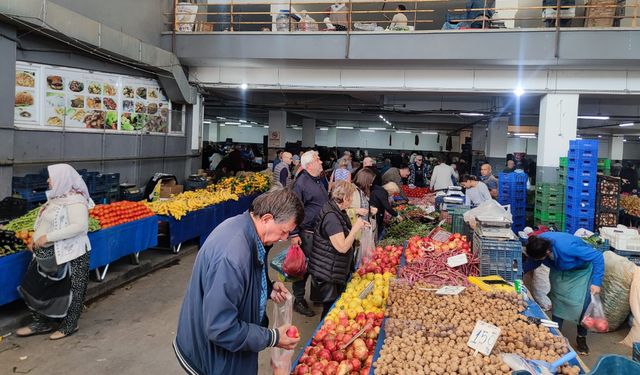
x,y
179,205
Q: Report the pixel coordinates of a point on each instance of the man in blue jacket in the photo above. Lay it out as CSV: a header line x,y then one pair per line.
x,y
220,328
576,273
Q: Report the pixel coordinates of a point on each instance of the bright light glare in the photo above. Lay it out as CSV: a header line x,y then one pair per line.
x,y
244,86
519,91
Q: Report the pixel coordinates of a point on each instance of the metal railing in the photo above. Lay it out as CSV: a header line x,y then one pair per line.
x,y
381,15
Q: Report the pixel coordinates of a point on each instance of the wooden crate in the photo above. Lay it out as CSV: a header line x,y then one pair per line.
x,y
600,13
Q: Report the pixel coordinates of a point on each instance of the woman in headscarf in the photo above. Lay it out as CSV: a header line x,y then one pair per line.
x,y
56,281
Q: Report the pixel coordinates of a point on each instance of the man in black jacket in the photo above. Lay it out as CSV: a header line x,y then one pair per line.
x,y
309,188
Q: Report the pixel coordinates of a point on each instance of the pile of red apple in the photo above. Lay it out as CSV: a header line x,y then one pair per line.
x,y
417,246
383,259
325,357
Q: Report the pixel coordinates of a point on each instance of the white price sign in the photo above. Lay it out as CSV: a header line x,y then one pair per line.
x,y
457,260
449,290
484,337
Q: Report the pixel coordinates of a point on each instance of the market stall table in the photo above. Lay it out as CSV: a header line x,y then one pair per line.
x,y
12,268
110,244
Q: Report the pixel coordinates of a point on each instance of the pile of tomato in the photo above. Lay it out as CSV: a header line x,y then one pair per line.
x,y
416,192
417,246
117,213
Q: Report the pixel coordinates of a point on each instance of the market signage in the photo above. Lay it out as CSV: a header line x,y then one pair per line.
x,y
65,98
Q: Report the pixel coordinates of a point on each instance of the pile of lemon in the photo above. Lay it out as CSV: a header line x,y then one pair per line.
x,y
375,301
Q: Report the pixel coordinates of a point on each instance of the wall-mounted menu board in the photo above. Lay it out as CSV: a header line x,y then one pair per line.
x,y
56,97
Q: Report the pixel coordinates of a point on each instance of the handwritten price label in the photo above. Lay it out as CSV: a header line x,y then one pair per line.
x,y
457,260
484,337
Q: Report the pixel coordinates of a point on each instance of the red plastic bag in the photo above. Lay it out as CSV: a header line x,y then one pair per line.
x,y
295,263
594,318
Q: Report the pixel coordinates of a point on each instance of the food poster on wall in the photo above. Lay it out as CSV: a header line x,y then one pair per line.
x,y
54,99
26,101
110,103
76,96
144,107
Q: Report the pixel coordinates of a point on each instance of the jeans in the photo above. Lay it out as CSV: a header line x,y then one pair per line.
x,y
299,287
582,332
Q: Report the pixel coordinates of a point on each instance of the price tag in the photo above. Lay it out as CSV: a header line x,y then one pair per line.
x,y
450,290
484,337
457,260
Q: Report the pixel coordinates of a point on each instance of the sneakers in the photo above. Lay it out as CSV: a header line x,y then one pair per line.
x,y
581,345
301,307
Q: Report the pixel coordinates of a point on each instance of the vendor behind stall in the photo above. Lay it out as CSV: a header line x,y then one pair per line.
x,y
476,191
576,273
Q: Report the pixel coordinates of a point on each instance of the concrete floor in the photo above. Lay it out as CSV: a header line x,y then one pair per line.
x,y
130,330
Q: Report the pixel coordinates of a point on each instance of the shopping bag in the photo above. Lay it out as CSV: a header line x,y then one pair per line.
x,y
278,262
281,359
594,318
295,263
367,245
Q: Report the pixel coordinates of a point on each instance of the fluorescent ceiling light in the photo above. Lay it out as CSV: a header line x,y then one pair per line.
x,y
471,114
377,128
367,131
431,133
265,126
221,118
245,126
206,122
244,86
232,123
403,132
381,116
626,124
519,91
344,127
223,125
593,117
254,123
323,129
528,136
599,136
624,140
243,121
524,134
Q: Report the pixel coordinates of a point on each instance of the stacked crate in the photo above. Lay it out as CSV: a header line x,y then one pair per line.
x,y
112,186
512,190
31,188
580,192
549,209
499,257
604,167
607,201
458,224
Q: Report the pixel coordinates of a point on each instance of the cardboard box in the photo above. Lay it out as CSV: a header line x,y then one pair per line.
x,y
170,188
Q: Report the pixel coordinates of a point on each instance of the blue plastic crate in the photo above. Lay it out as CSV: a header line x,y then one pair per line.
x,y
583,145
585,183
503,258
573,223
615,364
578,206
512,177
111,180
578,192
30,181
582,171
194,185
633,256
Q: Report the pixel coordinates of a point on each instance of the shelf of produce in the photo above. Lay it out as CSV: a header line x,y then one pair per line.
x,y
111,244
12,268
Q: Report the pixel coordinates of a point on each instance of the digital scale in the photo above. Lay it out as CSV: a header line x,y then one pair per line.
x,y
493,227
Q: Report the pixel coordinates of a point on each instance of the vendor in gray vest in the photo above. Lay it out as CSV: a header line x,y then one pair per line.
x,y
331,260
309,188
281,173
577,270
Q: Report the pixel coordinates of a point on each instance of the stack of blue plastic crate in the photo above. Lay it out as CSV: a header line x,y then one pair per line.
x,y
112,186
95,184
512,190
580,194
31,188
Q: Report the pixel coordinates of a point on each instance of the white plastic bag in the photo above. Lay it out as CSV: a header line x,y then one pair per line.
x,y
634,302
541,287
281,359
594,319
367,245
490,209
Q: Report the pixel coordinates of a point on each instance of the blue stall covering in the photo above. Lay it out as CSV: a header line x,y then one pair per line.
x,y
12,268
111,244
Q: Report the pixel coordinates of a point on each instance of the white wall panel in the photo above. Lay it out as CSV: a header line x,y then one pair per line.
x,y
249,76
372,78
591,80
439,79
310,77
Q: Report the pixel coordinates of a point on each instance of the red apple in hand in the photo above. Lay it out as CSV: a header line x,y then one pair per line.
x,y
293,332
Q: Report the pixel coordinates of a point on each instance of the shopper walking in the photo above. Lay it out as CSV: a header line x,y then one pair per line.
x,y
476,191
56,280
361,196
489,179
281,173
576,273
418,172
380,200
341,173
313,194
331,259
442,175
221,324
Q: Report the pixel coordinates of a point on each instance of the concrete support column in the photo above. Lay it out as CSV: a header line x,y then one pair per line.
x,y
7,100
332,137
496,144
616,148
276,137
308,132
558,125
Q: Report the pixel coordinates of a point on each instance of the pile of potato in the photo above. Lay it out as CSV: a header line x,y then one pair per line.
x,y
428,334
